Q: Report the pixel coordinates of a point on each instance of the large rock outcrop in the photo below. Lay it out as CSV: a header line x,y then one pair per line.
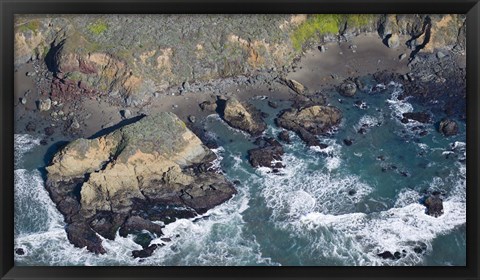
x,y
241,115
154,169
311,121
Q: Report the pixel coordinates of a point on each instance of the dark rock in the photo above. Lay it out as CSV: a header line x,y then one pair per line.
x,y
20,251
423,133
263,156
284,136
448,127
273,104
386,255
49,130
145,252
404,120
264,115
30,127
348,142
137,224
43,142
348,88
166,239
434,205
418,116
352,192
81,235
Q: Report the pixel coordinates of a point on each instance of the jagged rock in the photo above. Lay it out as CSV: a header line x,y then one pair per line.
x,y
270,151
241,116
284,136
387,255
448,127
23,100
441,55
44,104
141,166
434,205
393,41
418,116
137,224
348,88
402,56
208,106
145,252
310,121
295,86
82,236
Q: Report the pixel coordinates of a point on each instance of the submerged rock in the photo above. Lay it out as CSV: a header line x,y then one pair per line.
x,y
270,151
448,127
241,116
348,88
310,121
135,169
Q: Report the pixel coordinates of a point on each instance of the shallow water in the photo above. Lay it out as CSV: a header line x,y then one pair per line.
x,y
326,207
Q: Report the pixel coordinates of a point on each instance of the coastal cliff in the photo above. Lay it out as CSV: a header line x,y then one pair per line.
x,y
131,59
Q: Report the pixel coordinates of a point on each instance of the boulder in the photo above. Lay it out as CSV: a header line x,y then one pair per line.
x,y
130,172
271,150
241,116
434,205
418,116
448,127
209,106
348,88
295,86
44,104
393,41
310,121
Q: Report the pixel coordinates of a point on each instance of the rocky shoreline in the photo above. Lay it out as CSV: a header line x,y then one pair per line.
x,y
132,161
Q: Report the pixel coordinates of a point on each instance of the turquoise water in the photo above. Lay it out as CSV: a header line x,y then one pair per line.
x,y
338,206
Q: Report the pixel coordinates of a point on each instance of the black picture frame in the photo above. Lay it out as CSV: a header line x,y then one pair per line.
x,y
10,7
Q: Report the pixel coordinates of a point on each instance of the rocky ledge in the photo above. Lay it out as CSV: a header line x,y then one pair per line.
x,y
241,115
310,121
152,170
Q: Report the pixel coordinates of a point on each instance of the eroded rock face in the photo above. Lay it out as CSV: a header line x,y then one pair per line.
x,y
98,183
241,116
310,121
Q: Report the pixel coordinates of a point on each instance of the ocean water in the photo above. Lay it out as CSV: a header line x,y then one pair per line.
x,y
338,206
